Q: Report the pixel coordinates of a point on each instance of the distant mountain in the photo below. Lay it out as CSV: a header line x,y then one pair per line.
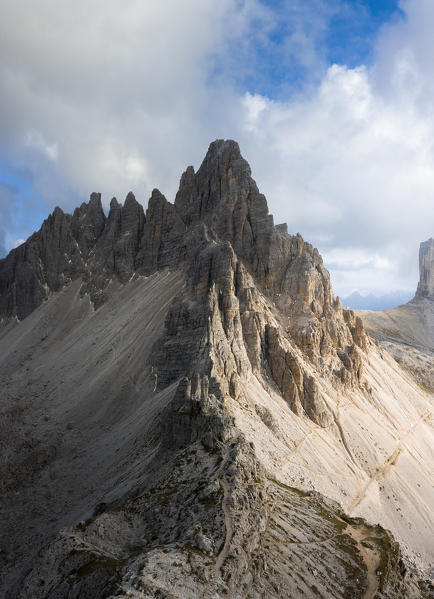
x,y
407,330
356,301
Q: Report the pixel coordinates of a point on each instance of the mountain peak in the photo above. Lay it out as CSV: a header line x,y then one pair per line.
x,y
130,199
219,146
221,186
95,199
220,201
222,155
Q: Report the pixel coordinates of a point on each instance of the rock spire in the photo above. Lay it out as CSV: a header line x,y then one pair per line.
x,y
425,287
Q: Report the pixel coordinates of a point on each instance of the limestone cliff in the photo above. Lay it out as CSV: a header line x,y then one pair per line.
x,y
181,394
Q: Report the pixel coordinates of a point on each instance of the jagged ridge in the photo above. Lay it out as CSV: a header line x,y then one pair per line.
x,y
220,230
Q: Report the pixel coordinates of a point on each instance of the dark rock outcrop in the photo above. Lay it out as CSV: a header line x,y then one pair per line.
x,y
162,243
86,245
425,288
49,259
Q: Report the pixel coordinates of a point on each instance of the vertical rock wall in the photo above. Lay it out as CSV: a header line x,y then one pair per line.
x,y
425,287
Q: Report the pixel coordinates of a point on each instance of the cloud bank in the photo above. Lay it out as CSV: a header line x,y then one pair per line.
x,y
111,96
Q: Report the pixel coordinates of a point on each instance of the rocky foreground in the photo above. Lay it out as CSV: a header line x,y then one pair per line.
x,y
186,411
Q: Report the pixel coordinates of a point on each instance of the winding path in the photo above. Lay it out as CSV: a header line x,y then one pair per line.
x,y
228,525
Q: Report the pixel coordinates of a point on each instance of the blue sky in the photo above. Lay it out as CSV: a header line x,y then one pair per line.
x,y
330,100
306,38
24,206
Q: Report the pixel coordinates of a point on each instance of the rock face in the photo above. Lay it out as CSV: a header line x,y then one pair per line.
x,y
220,231
425,287
85,245
142,476
220,201
223,322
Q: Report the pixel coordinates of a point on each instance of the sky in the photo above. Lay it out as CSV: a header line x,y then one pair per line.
x,y
331,101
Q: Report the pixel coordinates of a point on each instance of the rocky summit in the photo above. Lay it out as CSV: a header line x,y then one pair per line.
x,y
187,411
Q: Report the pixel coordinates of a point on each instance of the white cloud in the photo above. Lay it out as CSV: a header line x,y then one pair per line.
x,y
352,168
121,90
35,139
355,259
363,270
254,105
109,96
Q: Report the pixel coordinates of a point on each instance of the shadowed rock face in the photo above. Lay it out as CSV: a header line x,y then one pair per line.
x,y
425,287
